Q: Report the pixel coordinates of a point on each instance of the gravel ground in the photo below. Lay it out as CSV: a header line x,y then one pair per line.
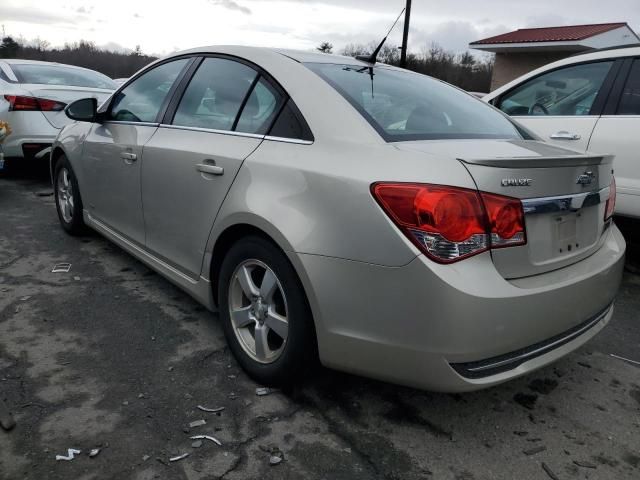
x,y
112,356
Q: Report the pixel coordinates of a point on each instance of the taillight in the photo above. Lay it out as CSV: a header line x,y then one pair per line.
x,y
452,223
611,201
20,103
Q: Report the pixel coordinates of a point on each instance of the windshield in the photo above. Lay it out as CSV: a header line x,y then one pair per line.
x,y
403,105
61,75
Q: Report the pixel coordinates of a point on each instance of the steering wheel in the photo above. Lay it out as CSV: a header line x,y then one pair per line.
x,y
538,109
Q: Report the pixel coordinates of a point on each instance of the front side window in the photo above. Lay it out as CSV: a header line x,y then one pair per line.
x,y
403,105
44,74
142,99
566,91
630,101
216,94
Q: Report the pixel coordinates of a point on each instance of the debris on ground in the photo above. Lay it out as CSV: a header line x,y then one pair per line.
x,y
6,419
210,410
534,450
179,457
77,279
197,423
549,472
276,458
584,464
262,391
71,454
94,452
206,437
624,359
197,444
145,458
61,268
25,298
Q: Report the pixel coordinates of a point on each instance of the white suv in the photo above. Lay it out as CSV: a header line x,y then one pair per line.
x,y
585,102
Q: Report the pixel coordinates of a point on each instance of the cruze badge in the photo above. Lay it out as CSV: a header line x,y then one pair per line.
x,y
517,182
586,178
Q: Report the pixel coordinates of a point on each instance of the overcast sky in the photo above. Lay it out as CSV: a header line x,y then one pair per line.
x,y
160,27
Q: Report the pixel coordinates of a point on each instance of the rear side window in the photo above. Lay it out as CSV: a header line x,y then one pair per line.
x,y
142,99
216,94
403,105
567,91
630,100
290,124
60,75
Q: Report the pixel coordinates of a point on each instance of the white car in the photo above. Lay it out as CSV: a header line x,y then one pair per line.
x,y
33,96
585,102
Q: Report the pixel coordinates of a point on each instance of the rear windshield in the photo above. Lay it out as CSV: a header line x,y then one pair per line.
x,y
403,105
61,75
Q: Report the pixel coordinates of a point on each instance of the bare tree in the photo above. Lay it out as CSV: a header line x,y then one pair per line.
x,y
325,47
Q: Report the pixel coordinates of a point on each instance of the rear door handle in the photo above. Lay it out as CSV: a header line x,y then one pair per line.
x,y
210,169
564,135
129,157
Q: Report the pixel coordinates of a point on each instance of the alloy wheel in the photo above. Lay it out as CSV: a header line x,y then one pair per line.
x,y
258,311
65,195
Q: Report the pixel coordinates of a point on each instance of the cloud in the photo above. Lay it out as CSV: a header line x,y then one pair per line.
x,y
232,5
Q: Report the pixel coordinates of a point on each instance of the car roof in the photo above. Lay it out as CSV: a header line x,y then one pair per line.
x,y
19,61
300,56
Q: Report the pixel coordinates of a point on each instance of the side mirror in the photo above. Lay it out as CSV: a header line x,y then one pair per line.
x,y
83,110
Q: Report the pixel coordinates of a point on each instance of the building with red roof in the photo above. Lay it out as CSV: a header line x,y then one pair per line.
x,y
526,49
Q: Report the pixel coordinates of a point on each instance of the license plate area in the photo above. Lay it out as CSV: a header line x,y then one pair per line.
x,y
558,236
566,237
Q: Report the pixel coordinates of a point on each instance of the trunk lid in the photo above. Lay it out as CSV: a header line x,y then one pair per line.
x,y
65,94
563,192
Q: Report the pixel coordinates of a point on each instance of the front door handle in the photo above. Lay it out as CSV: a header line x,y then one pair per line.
x,y
564,135
210,169
129,157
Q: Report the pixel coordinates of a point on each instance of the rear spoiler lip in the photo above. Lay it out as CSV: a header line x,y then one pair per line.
x,y
541,162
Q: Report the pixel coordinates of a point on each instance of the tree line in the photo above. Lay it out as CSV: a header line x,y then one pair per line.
x,y
462,69
82,54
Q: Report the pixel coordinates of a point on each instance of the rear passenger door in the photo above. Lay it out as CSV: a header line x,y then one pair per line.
x,y
618,133
217,119
563,105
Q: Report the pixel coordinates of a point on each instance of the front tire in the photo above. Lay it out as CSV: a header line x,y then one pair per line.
x,y
67,195
265,314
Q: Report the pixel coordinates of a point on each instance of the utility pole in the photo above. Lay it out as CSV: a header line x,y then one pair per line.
x,y
405,35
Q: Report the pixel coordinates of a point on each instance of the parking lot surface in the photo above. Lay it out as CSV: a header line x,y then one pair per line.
x,y
111,356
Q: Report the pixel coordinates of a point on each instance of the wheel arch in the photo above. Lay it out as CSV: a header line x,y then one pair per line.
x,y
233,232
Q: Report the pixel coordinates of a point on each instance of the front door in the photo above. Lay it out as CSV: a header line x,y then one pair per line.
x,y
113,150
561,106
190,163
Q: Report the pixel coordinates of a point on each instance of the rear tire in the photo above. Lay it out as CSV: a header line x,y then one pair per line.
x,y
67,196
265,314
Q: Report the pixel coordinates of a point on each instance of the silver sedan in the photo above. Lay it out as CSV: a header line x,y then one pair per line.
x,y
374,219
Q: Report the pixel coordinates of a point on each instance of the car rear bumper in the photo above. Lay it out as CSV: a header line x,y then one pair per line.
x,y
411,324
31,134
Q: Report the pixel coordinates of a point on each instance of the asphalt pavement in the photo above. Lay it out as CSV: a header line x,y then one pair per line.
x,y
112,357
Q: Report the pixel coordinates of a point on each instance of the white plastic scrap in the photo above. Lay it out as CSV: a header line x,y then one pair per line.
x,y
262,391
624,359
206,437
179,457
210,410
94,452
197,423
71,453
61,268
